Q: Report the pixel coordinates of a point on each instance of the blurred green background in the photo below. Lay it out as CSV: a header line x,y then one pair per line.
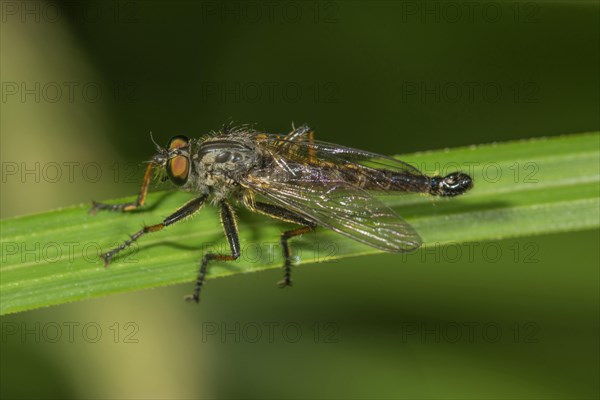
x,y
83,84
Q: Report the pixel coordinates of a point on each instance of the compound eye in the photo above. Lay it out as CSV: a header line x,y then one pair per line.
x,y
178,167
177,142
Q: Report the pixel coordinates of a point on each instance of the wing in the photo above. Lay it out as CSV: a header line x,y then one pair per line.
x,y
321,192
368,170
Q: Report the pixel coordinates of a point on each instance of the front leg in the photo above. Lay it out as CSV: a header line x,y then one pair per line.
x,y
188,209
128,206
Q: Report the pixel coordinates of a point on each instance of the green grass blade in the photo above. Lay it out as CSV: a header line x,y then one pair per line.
x,y
522,188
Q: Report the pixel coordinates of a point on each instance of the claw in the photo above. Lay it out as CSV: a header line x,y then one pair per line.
x,y
95,208
192,297
284,283
107,257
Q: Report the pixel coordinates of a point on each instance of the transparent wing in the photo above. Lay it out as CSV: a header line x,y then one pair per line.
x,y
328,195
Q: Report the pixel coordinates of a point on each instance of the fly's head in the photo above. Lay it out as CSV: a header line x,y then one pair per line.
x,y
175,159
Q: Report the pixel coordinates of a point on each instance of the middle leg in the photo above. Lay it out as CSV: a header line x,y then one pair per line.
x,y
231,232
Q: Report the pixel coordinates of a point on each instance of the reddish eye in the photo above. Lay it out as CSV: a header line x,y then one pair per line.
x,y
178,142
178,167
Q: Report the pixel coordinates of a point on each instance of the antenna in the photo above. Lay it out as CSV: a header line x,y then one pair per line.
x,y
158,148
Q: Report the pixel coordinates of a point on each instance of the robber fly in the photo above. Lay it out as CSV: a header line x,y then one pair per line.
x,y
293,178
